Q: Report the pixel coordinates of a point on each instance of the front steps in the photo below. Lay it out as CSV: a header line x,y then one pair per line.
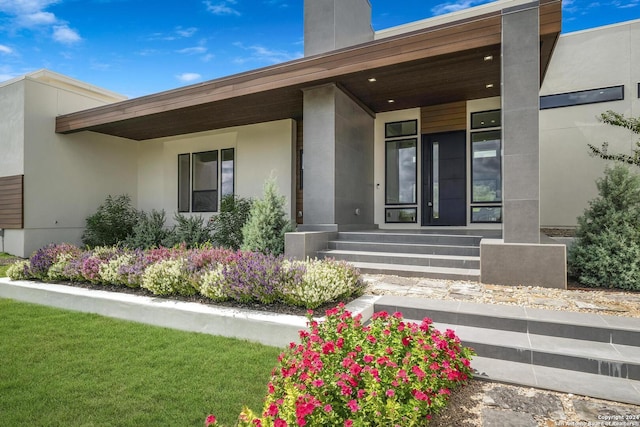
x,y
406,253
580,353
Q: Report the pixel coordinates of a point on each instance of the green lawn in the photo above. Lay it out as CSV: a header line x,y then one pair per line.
x,y
62,368
3,268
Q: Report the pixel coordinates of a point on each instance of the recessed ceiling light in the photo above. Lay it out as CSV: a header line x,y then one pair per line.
x,y
489,86
488,58
391,101
371,79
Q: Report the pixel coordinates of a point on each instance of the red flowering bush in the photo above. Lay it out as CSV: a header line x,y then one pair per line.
x,y
343,373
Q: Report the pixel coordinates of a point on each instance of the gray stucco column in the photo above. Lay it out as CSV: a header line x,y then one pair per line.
x,y
338,161
334,24
520,128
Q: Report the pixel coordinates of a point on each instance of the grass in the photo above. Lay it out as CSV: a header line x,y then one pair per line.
x,y
62,368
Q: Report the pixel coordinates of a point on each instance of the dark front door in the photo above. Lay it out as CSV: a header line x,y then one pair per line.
x,y
444,179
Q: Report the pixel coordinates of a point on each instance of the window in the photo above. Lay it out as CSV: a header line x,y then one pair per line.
x,y
401,171
184,170
399,129
400,215
592,96
486,167
486,119
200,175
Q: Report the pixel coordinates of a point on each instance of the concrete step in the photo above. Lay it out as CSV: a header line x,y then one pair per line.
x,y
443,273
412,248
563,324
566,381
411,238
448,261
582,353
598,358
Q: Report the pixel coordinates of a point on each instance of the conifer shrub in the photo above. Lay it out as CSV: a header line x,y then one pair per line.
x,y
267,224
112,223
607,248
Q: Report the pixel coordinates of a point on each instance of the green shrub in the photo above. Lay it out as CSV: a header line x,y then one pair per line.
x,y
227,225
267,224
112,223
388,373
191,231
149,231
607,248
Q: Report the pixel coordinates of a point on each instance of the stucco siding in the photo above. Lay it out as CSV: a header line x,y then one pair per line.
x,y
12,128
68,176
260,150
584,60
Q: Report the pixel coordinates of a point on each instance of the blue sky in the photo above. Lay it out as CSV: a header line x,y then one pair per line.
x,y
139,47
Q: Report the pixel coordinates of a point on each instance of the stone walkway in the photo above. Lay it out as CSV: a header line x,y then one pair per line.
x,y
491,404
609,302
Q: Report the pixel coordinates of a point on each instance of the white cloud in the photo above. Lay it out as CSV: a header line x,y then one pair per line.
x,y
36,19
5,49
22,7
265,55
208,57
188,77
64,34
222,8
186,32
32,14
455,6
192,50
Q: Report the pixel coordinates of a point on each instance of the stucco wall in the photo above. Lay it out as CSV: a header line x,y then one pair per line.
x,y
12,128
260,150
67,176
584,60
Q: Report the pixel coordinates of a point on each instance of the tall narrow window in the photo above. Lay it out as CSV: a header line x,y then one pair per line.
x,y
184,166
227,171
205,182
486,167
401,171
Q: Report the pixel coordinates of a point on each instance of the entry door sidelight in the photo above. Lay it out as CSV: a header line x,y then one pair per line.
x,y
444,179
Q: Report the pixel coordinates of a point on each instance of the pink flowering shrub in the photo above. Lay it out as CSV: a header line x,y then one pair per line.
x,y
343,373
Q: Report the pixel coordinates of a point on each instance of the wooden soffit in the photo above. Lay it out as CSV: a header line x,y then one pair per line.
x,y
435,65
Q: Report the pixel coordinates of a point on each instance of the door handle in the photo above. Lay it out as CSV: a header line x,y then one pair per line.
x,y
430,204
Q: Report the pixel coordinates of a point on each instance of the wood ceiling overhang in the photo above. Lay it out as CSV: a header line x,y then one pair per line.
x,y
426,67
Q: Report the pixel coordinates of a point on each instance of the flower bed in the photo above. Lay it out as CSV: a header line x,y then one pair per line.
x,y
388,373
215,273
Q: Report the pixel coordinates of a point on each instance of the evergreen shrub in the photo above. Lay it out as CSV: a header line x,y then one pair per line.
x,y
112,223
264,231
227,225
607,248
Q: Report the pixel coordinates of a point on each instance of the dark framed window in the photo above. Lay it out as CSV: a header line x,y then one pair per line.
x,y
486,119
401,215
227,167
203,178
204,197
401,171
400,129
582,97
184,168
486,214
486,166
